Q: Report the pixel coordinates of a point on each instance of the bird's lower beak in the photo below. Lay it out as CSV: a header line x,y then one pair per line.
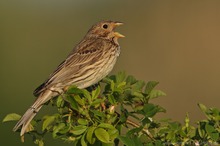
x,y
117,34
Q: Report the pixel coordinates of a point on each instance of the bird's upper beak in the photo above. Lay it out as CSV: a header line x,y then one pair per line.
x,y
117,34
118,23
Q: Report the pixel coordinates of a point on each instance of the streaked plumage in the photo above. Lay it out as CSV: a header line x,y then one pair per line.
x,y
89,62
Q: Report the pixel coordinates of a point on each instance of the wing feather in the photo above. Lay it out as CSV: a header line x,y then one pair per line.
x,y
84,55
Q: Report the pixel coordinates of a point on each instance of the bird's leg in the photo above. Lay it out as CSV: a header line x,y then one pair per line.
x,y
92,87
58,94
65,89
55,91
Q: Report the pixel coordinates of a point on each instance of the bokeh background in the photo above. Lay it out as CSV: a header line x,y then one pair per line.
x,y
174,42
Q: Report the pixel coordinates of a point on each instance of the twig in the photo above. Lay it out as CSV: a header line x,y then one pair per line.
x,y
146,131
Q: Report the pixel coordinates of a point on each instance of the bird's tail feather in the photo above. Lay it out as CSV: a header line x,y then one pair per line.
x,y
32,111
26,119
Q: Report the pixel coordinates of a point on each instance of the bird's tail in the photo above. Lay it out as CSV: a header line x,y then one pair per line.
x,y
32,111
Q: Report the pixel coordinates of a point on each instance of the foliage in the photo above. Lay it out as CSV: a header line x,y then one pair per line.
x,y
120,114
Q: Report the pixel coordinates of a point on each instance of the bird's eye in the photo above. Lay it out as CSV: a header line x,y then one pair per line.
x,y
105,26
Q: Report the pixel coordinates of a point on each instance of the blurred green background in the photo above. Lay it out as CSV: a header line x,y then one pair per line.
x,y
174,42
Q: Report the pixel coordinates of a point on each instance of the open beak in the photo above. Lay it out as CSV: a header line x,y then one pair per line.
x,y
118,23
117,34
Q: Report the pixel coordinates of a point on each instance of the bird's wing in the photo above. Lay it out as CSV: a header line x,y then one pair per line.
x,y
77,63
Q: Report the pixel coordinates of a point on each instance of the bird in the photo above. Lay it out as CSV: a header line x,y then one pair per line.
x,y
89,62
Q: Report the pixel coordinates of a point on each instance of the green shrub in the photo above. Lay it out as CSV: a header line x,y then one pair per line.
x,y
119,112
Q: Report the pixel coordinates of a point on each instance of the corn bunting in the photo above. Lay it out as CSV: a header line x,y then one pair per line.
x,y
89,62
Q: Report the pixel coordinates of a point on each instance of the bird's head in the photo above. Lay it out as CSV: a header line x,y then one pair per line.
x,y
105,29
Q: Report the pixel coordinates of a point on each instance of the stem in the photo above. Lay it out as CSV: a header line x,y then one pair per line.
x,y
146,131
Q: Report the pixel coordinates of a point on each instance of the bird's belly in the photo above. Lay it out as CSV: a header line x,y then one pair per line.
x,y
101,72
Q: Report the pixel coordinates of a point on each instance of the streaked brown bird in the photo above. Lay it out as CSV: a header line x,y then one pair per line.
x,y
88,63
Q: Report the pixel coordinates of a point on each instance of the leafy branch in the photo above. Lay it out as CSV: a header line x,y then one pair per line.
x,y
119,112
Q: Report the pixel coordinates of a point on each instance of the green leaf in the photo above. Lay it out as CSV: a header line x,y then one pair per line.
x,y
209,128
47,121
123,117
96,102
146,120
134,131
111,99
82,121
126,141
174,126
96,93
87,95
74,90
72,102
206,111
214,135
98,113
156,93
150,86
102,135
108,144
158,143
112,86
151,144
89,135
187,120
216,113
60,101
78,130
106,126
120,77
57,128
138,94
107,80
137,141
11,117
149,110
39,142
202,107
83,143
139,85
79,100
113,133
201,129
64,130
122,84
131,80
